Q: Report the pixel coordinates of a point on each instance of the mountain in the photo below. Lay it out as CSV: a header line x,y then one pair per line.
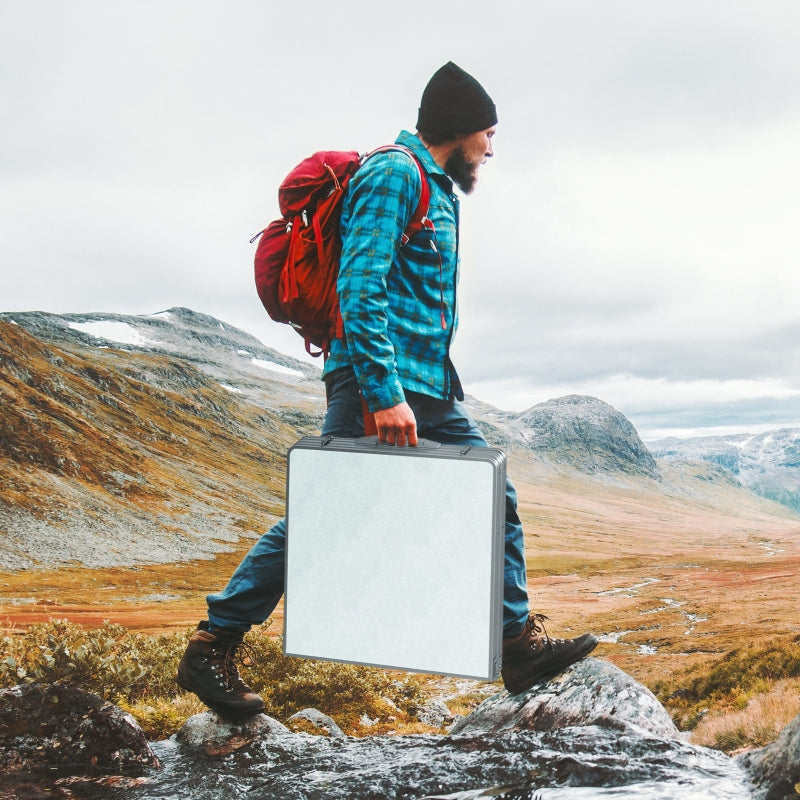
x,y
161,438
149,439
767,463
577,430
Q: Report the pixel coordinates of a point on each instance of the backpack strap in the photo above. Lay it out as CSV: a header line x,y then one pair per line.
x,y
419,219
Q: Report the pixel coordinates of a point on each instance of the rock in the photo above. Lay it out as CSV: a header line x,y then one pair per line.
x,y
436,714
59,729
588,732
591,692
321,723
214,735
774,770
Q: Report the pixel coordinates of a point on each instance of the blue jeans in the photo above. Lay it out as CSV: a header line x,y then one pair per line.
x,y
256,587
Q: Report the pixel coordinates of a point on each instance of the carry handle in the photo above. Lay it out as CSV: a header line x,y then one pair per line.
x,y
421,443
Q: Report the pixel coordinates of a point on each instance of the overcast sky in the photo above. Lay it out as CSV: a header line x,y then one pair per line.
x,y
636,236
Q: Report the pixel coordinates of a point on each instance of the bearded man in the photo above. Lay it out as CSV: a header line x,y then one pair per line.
x,y
398,304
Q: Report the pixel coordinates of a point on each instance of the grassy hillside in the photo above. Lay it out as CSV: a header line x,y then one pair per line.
x,y
121,457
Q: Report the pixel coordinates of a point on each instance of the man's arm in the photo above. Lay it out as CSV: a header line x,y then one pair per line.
x,y
381,199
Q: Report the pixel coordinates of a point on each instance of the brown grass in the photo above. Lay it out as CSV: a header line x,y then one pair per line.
x,y
759,720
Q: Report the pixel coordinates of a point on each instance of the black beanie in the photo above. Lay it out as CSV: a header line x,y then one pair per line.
x,y
454,102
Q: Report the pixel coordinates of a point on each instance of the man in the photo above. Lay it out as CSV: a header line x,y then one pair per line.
x,y
398,304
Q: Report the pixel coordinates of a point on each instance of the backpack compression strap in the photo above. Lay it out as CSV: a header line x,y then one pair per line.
x,y
419,220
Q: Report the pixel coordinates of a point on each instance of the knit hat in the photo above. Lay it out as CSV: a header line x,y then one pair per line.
x,y
454,102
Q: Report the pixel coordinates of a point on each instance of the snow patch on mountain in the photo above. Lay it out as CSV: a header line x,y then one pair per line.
x,y
113,331
271,365
767,463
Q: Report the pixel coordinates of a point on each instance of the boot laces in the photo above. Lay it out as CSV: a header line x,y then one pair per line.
x,y
538,629
225,665
540,636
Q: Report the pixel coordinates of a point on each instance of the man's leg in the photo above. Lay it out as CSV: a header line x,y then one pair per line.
x,y
448,422
529,654
255,588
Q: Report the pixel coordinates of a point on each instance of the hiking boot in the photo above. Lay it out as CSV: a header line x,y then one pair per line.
x,y
208,669
533,655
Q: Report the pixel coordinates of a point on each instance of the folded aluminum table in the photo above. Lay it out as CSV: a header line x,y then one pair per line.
x,y
394,555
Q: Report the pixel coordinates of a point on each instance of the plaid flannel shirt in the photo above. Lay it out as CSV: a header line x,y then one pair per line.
x,y
398,302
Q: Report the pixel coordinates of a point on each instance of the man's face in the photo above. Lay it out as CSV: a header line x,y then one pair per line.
x,y
470,152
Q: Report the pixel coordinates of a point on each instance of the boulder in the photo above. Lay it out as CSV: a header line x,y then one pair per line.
x,y
214,735
313,721
591,693
49,728
774,770
436,714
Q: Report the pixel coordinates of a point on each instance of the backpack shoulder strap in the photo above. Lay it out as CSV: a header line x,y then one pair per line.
x,y
419,219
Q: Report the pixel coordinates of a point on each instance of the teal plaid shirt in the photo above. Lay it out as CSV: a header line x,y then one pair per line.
x,y
398,302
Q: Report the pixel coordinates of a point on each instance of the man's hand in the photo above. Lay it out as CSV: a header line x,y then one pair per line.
x,y
397,425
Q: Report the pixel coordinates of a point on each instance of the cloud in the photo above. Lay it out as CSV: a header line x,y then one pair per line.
x,y
638,219
679,264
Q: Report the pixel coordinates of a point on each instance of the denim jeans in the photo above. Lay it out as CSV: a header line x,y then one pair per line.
x,y
256,586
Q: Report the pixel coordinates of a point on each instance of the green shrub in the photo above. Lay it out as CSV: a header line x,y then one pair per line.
x,y
138,672
62,652
731,740
343,691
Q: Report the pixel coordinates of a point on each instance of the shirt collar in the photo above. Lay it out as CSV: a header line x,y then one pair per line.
x,y
414,143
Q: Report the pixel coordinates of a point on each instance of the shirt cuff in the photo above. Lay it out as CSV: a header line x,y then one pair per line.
x,y
387,394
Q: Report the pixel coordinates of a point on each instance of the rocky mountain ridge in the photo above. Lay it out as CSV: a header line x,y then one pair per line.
x,y
577,430
141,456
581,431
161,437
767,463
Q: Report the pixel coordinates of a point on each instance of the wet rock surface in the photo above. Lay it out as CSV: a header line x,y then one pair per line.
x,y
591,732
592,693
214,736
48,732
774,770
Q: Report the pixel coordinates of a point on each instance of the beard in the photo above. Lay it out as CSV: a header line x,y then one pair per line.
x,y
463,173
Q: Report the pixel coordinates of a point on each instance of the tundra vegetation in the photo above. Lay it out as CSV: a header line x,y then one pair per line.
x,y
742,699
137,672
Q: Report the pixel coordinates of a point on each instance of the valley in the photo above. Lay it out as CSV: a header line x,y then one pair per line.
x,y
667,573
134,476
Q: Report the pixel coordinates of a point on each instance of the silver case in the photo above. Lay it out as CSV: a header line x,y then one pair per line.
x,y
394,555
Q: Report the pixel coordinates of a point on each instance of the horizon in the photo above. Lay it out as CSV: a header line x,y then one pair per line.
x,y
112,330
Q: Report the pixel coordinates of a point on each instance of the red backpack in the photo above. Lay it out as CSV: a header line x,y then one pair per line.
x,y
297,258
